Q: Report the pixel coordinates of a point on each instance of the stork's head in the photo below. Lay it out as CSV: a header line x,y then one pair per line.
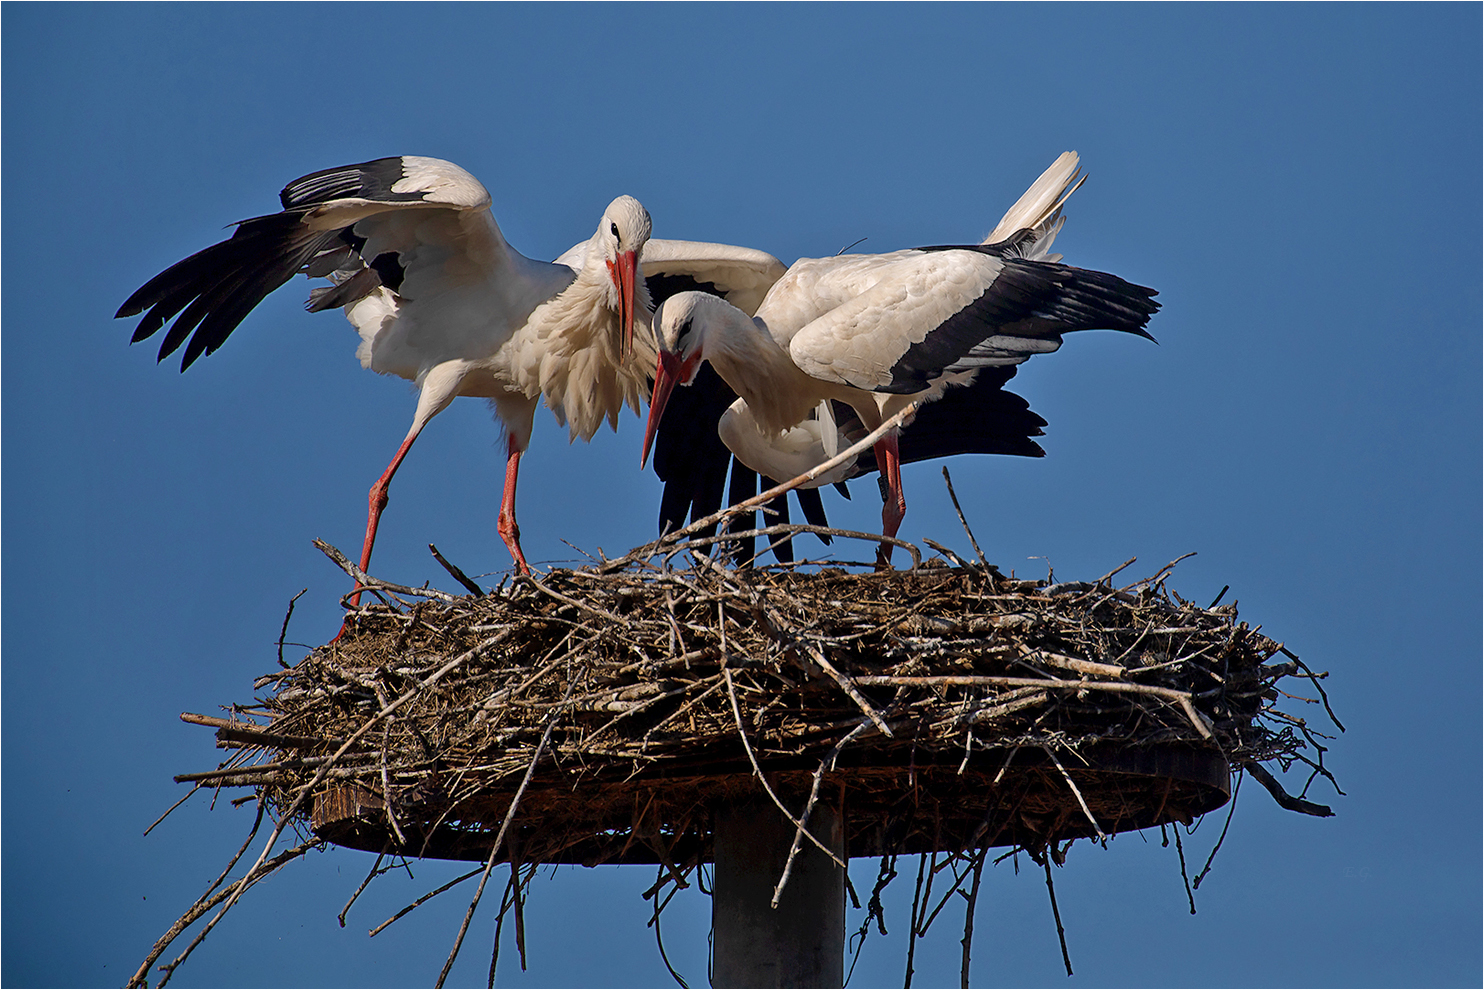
x,y
619,240
680,330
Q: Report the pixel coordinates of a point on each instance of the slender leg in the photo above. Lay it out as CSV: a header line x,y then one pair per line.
x,y
894,508
439,387
378,499
509,531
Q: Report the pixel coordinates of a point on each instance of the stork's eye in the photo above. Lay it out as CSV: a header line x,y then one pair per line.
x,y
614,227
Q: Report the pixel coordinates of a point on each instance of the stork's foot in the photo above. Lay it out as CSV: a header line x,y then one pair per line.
x,y
883,557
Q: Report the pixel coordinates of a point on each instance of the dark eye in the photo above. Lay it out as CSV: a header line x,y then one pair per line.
x,y
614,227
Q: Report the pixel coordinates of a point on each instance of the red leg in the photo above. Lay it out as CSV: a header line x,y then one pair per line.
x,y
894,510
509,531
378,499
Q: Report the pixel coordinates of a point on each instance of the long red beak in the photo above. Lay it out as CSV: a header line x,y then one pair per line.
x,y
666,376
623,272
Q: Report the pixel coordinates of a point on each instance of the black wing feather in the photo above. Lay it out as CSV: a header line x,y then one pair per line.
x,y
688,455
978,418
1037,300
214,289
371,180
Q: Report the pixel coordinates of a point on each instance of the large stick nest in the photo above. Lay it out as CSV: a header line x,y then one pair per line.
x,y
600,714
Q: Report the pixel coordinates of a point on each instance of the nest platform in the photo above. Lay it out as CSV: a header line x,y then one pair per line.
x,y
600,715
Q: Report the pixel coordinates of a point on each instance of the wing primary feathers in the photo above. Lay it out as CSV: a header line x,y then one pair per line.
x,y
214,289
371,180
1034,300
689,457
743,486
811,503
666,284
978,418
783,549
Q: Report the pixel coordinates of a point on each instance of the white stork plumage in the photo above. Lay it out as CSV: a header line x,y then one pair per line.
x,y
878,332
974,417
439,297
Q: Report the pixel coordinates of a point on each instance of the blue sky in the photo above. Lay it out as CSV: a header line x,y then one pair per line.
x,y
1301,183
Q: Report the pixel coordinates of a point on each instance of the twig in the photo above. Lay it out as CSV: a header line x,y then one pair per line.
x,y
1061,933
386,779
912,927
284,632
551,721
757,770
827,762
1180,851
457,574
369,583
793,529
505,902
976,680
1285,800
1163,572
1080,799
420,902
972,897
1221,838
947,553
848,686
580,605
375,872
749,505
660,941
1315,679
177,804
1109,576
201,907
947,480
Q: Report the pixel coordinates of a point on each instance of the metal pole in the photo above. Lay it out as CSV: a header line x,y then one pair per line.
x,y
801,943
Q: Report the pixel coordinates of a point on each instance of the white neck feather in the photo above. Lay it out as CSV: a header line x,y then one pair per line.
x,y
760,371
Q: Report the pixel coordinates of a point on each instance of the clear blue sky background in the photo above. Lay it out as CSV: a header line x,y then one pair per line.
x,y
1301,183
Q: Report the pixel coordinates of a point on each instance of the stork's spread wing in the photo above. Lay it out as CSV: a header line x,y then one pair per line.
x,y
741,276
320,231
928,310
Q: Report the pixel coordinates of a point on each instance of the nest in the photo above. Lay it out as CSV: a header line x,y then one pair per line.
x,y
601,714
604,715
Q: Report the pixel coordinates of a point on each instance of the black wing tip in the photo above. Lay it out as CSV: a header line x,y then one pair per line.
x,y
371,180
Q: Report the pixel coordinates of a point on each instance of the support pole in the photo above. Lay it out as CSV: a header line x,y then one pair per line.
x,y
801,943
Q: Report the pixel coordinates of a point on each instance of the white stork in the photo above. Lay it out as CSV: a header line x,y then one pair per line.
x,y
976,417
878,332
440,298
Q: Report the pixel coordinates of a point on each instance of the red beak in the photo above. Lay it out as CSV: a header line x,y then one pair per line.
x,y
623,271
666,376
